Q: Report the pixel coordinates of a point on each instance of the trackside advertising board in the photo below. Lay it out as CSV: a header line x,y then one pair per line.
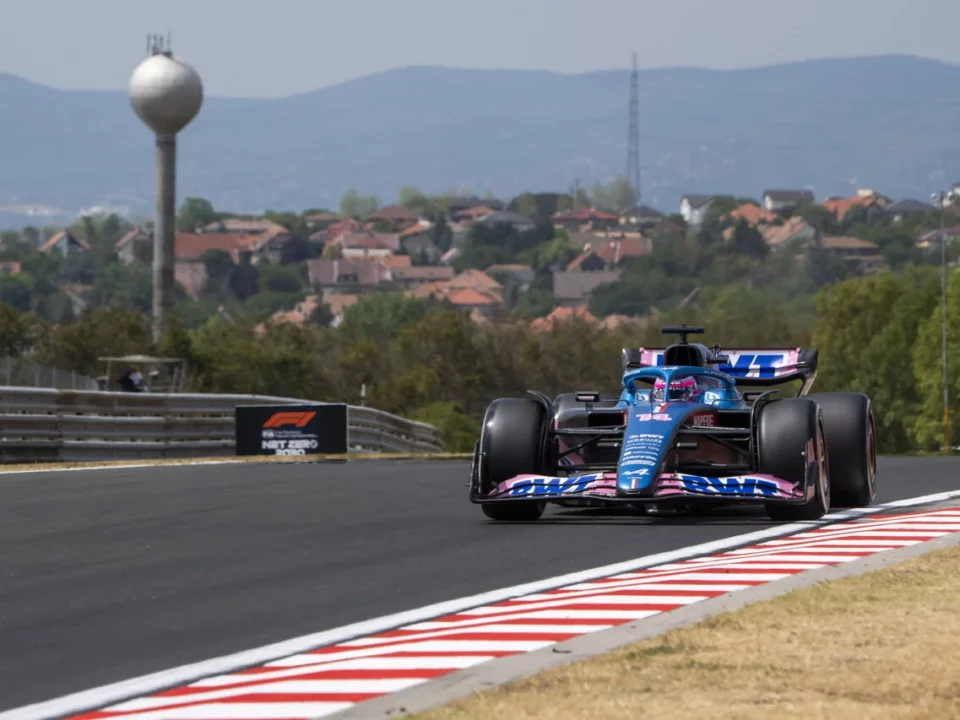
x,y
291,429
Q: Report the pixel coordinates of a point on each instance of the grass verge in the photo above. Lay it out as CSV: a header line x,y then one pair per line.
x,y
874,646
270,459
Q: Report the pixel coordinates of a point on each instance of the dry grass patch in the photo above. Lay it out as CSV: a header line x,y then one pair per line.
x,y
885,644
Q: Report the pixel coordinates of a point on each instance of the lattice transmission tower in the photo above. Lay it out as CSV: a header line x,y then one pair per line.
x,y
633,135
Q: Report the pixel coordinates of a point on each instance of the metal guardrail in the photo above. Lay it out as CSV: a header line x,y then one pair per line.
x,y
17,371
49,425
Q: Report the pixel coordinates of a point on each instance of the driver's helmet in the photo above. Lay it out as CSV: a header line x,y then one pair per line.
x,y
683,389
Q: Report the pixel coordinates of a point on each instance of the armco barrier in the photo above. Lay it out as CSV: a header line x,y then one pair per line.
x,y
47,425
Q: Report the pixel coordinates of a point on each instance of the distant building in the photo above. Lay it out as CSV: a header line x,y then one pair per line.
x,y
778,200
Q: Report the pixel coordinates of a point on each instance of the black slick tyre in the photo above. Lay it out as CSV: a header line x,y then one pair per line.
x,y
851,446
513,442
790,431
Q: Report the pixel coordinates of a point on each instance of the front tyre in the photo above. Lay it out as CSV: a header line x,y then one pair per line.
x,y
790,436
513,442
851,446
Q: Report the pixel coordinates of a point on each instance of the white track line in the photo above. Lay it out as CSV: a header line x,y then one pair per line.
x,y
148,684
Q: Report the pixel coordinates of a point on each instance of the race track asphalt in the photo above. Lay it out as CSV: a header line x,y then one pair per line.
x,y
110,574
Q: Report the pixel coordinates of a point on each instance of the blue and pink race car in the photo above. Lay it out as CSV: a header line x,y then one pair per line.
x,y
685,431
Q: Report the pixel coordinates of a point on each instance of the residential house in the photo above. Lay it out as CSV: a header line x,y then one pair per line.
x,y
347,275
666,230
243,226
899,210
417,241
580,240
587,261
641,216
874,203
413,276
396,261
931,239
337,229
779,200
321,220
269,245
459,204
450,256
338,305
753,215
191,276
523,274
793,230
136,243
616,250
76,294
518,222
472,214
574,288
560,315
471,290
192,246
586,218
366,244
693,208
66,242
861,254
397,217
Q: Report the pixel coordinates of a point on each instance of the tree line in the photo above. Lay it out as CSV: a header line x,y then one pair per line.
x,y
877,334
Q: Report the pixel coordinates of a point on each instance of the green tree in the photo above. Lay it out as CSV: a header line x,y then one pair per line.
x,y
196,213
623,195
380,315
354,205
15,291
19,331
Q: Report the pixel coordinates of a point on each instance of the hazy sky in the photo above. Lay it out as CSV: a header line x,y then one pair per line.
x,y
278,47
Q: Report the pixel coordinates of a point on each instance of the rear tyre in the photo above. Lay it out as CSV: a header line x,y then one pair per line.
x,y
513,442
851,446
789,432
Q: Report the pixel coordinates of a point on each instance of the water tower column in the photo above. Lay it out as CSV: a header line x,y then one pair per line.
x,y
166,94
164,255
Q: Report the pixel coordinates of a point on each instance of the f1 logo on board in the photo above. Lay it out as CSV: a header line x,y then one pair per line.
x,y
283,419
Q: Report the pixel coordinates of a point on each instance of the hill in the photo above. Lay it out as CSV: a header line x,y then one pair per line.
x,y
884,122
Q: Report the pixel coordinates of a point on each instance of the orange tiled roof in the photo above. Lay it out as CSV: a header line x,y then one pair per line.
x,y
616,250
192,246
397,261
54,239
752,214
847,243
472,277
471,296
560,315
778,234
841,206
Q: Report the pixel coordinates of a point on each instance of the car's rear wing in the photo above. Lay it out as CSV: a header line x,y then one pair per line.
x,y
759,367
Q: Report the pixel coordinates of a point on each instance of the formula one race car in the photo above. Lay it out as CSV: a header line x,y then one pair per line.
x,y
684,432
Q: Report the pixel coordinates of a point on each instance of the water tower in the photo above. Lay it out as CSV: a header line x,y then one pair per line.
x,y
166,94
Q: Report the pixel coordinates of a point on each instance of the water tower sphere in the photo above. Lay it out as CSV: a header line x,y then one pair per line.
x,y
166,93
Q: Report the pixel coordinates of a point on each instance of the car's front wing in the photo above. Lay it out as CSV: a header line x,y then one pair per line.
x,y
668,486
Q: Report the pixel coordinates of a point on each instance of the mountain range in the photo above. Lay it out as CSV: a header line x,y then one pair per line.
x,y
890,123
